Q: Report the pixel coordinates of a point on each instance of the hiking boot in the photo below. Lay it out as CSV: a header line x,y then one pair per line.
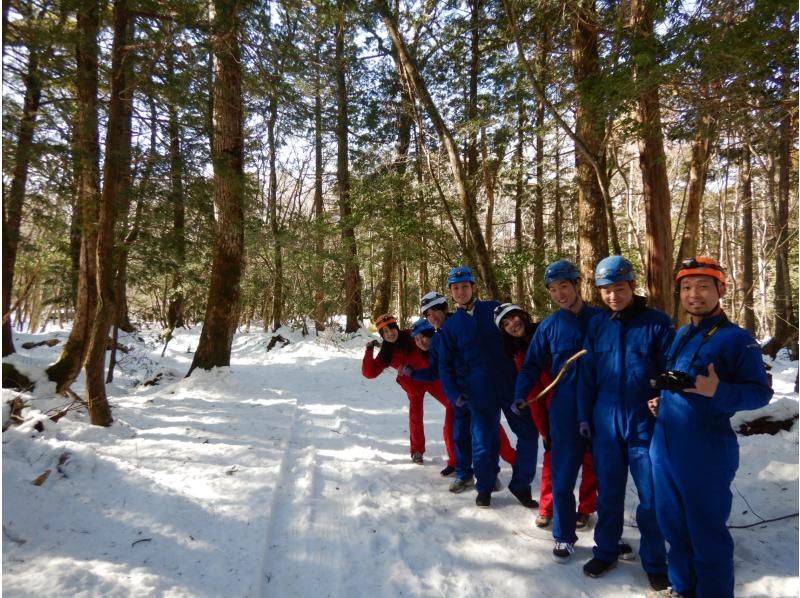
x,y
626,552
461,484
562,552
658,581
484,500
543,520
524,497
416,458
597,567
582,520
448,471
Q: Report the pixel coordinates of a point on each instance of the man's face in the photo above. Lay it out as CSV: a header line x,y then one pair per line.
x,y
435,317
513,325
564,293
390,334
700,294
617,296
423,342
461,292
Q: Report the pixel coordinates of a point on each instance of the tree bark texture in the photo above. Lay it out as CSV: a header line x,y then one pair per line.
x,y
652,159
115,175
68,365
222,308
748,317
589,126
352,278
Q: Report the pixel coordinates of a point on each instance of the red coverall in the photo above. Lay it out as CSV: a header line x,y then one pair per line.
x,y
372,367
587,495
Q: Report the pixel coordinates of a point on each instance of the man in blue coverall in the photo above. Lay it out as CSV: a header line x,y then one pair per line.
x,y
557,338
714,368
478,373
627,348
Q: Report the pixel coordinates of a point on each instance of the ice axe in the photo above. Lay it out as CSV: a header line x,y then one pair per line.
x,y
556,380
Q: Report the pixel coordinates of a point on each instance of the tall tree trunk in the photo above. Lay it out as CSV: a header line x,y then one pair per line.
x,y
114,180
12,206
540,296
488,183
746,266
121,318
352,278
519,198
652,159
222,308
274,225
68,365
415,81
176,299
785,320
319,206
698,171
589,126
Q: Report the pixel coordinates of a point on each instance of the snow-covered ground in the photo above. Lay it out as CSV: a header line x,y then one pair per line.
x,y
288,474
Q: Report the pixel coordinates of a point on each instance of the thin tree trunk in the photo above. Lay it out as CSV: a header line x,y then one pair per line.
x,y
274,225
652,159
519,198
68,365
222,308
488,183
175,298
746,266
352,278
12,206
319,206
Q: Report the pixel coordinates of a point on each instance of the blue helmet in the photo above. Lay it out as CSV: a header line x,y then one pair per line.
x,y
614,268
420,325
460,274
561,270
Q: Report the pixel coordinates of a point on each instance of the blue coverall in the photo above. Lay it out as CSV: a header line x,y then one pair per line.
x,y
474,365
462,438
695,453
626,349
557,338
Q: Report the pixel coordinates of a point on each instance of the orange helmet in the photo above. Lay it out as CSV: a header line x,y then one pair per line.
x,y
703,266
384,320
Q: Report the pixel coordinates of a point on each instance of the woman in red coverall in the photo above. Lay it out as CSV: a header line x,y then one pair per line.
x,y
396,350
518,328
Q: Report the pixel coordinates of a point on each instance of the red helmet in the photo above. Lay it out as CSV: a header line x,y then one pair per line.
x,y
702,266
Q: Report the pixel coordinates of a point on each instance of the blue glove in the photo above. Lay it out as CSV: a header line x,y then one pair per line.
x,y
518,406
404,370
584,430
461,401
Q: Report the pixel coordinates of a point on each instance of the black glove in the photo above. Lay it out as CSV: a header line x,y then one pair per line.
x,y
373,343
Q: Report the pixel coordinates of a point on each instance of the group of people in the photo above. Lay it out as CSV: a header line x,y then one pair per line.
x,y
608,391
